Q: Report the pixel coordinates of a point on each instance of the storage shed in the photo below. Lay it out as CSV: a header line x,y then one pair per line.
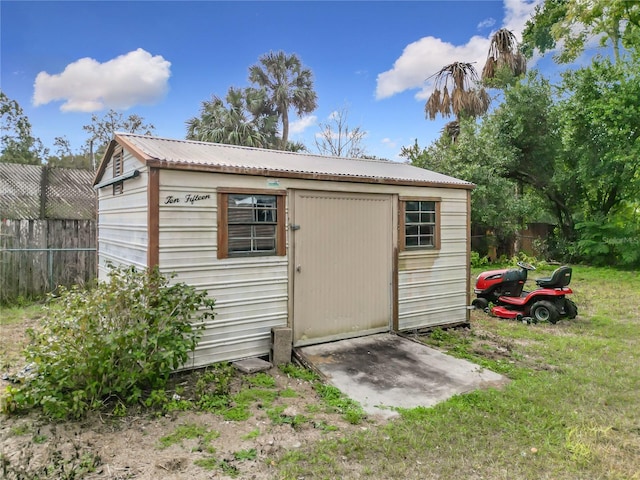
x,y
331,247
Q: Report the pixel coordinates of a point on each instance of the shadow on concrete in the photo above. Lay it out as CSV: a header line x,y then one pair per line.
x,y
384,371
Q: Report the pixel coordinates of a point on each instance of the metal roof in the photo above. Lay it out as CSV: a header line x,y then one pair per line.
x,y
203,156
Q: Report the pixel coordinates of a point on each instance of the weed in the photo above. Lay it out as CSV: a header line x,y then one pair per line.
x,y
39,439
188,431
239,413
19,430
208,463
252,434
249,454
301,373
324,426
216,380
278,417
333,398
262,380
288,393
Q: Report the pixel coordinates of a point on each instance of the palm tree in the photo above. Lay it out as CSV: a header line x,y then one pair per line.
x,y
504,53
244,120
456,92
287,84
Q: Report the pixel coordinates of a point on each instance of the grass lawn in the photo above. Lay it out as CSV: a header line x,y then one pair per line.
x,y
572,410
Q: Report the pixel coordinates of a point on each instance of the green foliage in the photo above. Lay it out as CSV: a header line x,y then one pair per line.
x,y
255,433
287,84
246,119
110,343
336,400
249,454
101,129
188,431
609,242
262,380
250,116
477,261
600,117
572,23
17,144
296,371
278,417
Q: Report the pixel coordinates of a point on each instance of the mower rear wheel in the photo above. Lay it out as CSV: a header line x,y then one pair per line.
x,y
544,311
570,308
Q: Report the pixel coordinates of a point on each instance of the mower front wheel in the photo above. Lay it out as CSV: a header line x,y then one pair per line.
x,y
480,303
544,311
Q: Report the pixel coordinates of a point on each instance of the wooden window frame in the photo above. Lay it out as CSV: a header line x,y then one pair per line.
x,y
401,224
223,221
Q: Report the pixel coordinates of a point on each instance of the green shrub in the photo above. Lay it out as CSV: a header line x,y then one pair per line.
x,y
110,344
477,261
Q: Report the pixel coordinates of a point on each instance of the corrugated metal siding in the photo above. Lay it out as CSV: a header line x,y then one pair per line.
x,y
122,220
251,293
432,285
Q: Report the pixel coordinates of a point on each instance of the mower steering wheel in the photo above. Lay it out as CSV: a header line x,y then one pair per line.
x,y
526,266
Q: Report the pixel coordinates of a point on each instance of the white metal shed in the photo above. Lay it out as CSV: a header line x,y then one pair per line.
x,y
331,247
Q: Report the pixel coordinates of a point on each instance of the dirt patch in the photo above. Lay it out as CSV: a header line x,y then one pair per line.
x,y
131,447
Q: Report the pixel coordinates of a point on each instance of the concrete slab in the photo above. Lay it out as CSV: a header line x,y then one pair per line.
x,y
386,370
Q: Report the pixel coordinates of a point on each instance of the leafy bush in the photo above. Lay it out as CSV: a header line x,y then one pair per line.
x,y
477,261
112,343
609,242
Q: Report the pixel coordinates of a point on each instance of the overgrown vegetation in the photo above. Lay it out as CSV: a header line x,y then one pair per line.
x,y
110,345
569,411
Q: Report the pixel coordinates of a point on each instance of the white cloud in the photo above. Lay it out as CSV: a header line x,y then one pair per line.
x,y
300,125
387,142
516,14
87,85
486,23
422,59
425,57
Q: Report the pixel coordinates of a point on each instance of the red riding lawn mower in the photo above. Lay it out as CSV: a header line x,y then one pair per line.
x,y
504,289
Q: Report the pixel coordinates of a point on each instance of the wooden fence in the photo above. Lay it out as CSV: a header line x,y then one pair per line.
x,y
38,255
47,230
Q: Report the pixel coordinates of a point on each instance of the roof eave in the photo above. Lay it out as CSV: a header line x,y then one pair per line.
x,y
266,172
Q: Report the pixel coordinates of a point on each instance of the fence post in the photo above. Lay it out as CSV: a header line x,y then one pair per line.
x,y
44,182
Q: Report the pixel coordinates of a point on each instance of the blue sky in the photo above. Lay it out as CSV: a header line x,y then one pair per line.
x,y
64,61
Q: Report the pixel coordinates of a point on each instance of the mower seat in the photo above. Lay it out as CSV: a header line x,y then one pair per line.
x,y
561,277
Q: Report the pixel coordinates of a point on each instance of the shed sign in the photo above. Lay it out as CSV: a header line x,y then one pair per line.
x,y
189,198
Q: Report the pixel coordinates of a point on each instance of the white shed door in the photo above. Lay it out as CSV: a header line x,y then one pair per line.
x,y
342,252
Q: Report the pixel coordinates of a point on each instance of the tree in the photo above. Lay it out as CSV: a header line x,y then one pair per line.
x,y
456,91
17,144
65,158
336,139
246,119
474,157
101,130
571,24
288,85
600,119
504,57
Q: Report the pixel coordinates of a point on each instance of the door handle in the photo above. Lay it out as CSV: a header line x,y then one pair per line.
x,y
298,269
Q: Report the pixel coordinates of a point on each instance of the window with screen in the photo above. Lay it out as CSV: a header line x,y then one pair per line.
x,y
252,224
